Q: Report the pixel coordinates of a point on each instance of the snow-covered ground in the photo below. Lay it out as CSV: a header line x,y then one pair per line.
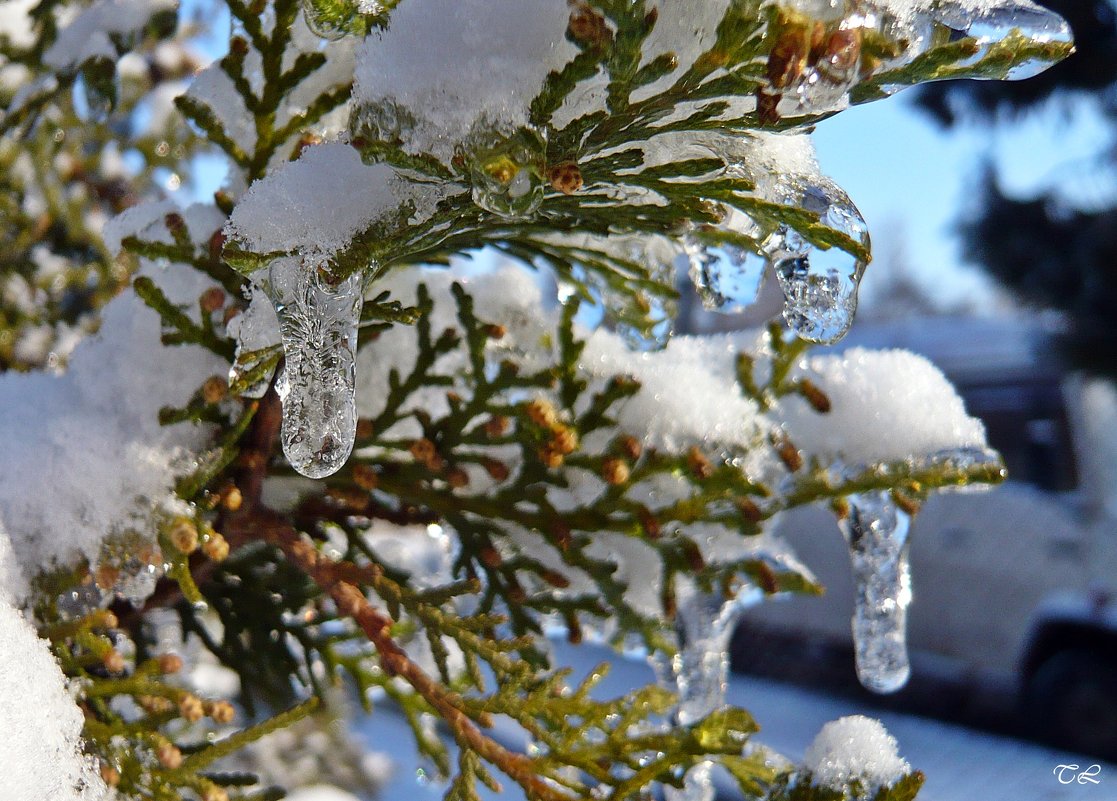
x,y
961,764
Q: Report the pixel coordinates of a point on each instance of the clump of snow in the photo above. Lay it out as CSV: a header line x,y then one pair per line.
x,y
854,748
286,212
688,394
321,792
41,757
88,34
15,23
888,405
133,221
433,52
88,456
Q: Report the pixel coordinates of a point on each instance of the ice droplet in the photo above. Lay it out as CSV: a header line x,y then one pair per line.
x,y
318,323
994,24
82,599
505,170
728,276
320,22
383,121
816,56
876,531
655,314
820,284
129,565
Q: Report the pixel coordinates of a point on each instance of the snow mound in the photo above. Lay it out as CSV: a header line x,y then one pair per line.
x,y
40,746
89,457
854,747
887,405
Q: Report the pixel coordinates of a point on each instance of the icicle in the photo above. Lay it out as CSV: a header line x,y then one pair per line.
x,y
645,320
698,672
820,285
318,324
822,48
877,533
728,277
505,170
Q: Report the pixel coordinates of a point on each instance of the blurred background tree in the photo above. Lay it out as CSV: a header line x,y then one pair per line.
x,y
1057,249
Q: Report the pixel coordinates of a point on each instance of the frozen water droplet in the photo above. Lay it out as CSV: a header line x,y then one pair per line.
x,y
318,323
647,320
96,89
815,57
505,170
994,24
382,121
129,565
820,284
876,531
728,276
82,600
322,22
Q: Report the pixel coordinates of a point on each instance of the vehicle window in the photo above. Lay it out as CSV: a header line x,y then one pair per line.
x,y
1027,422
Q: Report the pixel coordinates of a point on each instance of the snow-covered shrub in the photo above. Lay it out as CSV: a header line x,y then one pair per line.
x,y
540,473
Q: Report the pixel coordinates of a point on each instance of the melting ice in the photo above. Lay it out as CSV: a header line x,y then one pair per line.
x,y
996,23
698,672
728,277
876,531
318,323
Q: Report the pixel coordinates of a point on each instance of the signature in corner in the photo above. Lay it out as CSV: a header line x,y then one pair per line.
x,y
1069,774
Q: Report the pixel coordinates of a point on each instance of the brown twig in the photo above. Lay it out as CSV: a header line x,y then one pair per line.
x,y
351,602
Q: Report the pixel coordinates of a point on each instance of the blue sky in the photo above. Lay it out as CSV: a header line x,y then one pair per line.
x,y
912,179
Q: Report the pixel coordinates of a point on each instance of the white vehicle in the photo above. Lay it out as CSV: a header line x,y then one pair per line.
x,y
1016,588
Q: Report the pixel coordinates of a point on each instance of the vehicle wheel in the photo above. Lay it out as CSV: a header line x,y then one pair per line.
x,y
1072,698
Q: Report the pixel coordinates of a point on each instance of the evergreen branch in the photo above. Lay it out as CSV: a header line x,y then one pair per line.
x,y
205,118
237,740
184,330
352,603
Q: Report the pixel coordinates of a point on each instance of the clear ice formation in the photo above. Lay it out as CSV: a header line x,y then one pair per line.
x,y
254,329
994,24
820,284
505,170
318,323
728,277
319,24
96,88
876,531
698,672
